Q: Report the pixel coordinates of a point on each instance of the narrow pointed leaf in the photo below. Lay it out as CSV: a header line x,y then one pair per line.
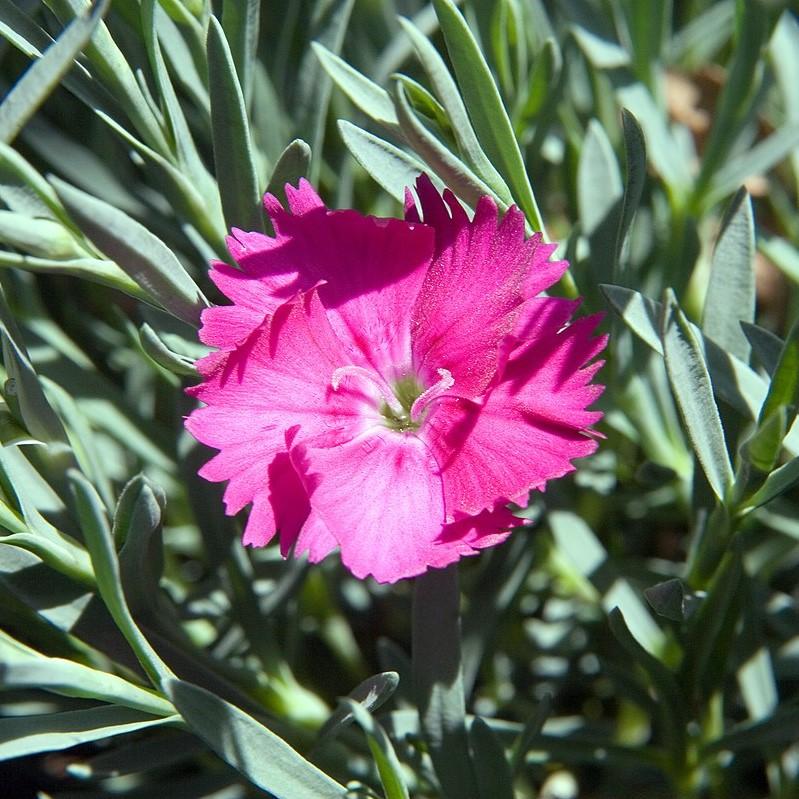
x,y
371,693
39,417
45,74
372,99
24,667
51,732
327,25
693,390
670,701
155,347
665,153
635,153
447,91
492,770
731,288
599,184
782,254
784,387
265,759
486,111
15,169
293,164
139,253
100,544
757,161
733,381
776,732
95,270
532,728
448,166
241,23
600,195
777,483
233,154
188,158
711,631
765,345
438,679
386,760
391,167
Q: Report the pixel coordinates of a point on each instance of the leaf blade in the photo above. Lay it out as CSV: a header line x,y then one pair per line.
x,y
731,288
693,390
263,757
486,111
43,76
137,251
233,152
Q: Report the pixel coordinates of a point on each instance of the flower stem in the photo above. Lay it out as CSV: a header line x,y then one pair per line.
x,y
438,680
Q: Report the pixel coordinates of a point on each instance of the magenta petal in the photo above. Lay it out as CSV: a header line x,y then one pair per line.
x,y
470,301
380,497
282,506
486,529
386,387
531,426
226,326
315,539
279,379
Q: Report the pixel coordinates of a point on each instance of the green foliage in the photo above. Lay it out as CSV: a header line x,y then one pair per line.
x,y
639,639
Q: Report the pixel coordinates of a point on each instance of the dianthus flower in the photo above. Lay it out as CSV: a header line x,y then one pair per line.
x,y
387,387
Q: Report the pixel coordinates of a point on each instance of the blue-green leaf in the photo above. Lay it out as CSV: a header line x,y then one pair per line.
x,y
100,544
491,767
693,390
386,760
784,387
783,255
447,91
241,23
777,483
139,253
371,693
265,759
44,75
391,167
328,25
486,111
239,186
635,152
731,288
438,679
51,732
372,99
24,667
23,383
454,172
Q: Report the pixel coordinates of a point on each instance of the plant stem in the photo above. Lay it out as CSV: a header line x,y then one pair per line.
x,y
438,680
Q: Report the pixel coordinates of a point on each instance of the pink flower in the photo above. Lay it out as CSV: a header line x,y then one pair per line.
x,y
386,387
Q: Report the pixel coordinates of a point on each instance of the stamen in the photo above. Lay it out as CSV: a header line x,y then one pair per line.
x,y
435,391
343,372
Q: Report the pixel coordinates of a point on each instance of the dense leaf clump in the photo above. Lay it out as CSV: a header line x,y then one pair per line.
x,y
638,638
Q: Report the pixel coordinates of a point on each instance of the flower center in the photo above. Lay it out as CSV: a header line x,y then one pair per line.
x,y
406,391
404,402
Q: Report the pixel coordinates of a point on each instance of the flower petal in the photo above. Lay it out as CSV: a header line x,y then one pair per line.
x,y
531,425
226,326
369,272
278,380
380,496
487,529
481,274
